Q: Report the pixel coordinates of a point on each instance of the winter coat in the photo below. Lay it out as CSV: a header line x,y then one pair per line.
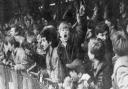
x,y
102,76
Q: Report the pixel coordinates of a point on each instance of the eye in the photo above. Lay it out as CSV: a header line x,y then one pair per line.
x,y
102,34
43,39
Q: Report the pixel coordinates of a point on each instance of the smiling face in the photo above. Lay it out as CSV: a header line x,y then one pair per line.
x,y
102,36
64,32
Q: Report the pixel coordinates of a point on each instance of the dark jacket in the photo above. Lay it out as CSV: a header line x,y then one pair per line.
x,y
73,48
102,76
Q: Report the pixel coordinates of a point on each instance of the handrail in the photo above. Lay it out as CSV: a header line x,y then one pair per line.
x,y
11,79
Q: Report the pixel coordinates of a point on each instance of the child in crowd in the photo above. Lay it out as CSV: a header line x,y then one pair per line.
x,y
69,48
100,68
102,32
120,72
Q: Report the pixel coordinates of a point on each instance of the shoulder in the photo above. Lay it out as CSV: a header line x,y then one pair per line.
x,y
122,77
120,65
121,61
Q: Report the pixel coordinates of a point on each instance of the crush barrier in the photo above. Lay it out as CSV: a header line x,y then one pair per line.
x,y
11,79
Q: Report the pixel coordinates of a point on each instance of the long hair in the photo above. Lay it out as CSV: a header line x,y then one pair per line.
x,y
51,35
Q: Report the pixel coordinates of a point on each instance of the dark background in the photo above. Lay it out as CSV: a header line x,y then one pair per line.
x,y
9,7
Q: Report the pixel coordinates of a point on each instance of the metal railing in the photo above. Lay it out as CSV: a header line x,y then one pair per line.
x,y
11,79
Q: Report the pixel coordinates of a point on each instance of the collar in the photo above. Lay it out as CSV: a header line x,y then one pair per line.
x,y
50,51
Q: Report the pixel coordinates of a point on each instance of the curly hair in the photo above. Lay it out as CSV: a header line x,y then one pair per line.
x,y
96,47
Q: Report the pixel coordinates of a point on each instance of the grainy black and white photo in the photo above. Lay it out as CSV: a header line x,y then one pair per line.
x,y
63,44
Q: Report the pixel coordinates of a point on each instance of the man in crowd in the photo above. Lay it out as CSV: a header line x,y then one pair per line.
x,y
100,68
49,43
69,48
120,47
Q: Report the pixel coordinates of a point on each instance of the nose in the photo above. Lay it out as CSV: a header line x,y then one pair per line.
x,y
42,46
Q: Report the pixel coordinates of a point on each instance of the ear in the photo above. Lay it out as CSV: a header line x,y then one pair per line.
x,y
90,55
50,43
58,34
16,33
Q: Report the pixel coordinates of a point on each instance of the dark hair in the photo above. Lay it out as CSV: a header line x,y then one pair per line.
x,y
101,27
96,47
51,35
91,24
20,31
30,33
14,42
120,43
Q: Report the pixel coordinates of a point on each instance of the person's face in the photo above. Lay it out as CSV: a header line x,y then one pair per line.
x,y
35,31
64,32
89,33
38,38
108,22
121,7
30,39
12,31
91,56
102,36
44,43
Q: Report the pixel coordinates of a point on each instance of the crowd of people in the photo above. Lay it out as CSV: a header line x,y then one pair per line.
x,y
90,54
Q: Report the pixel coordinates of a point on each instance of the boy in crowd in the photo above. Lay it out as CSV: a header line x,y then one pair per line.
x,y
102,32
69,48
120,73
49,44
100,69
17,33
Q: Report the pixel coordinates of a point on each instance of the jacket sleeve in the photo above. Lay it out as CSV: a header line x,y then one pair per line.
x,y
122,77
77,32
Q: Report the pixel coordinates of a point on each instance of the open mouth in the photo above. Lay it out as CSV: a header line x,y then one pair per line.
x,y
65,36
